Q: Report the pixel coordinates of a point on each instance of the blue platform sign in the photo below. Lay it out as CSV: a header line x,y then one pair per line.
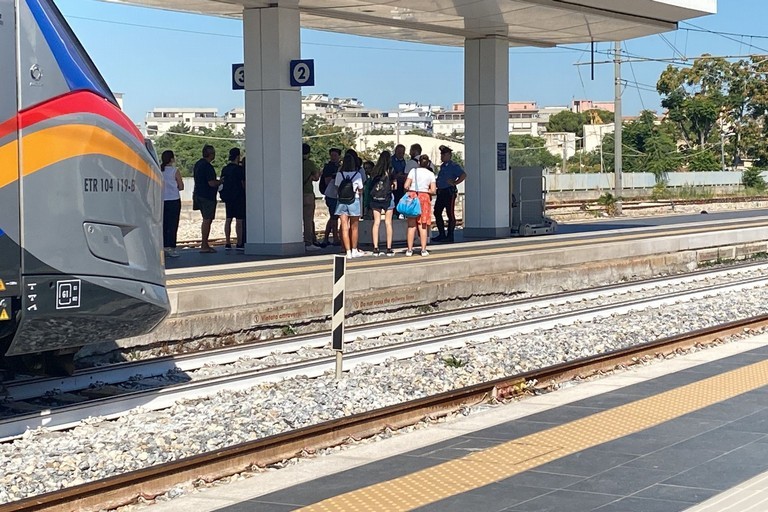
x,y
238,77
302,73
501,156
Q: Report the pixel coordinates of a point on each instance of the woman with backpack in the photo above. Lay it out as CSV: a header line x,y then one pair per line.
x,y
349,186
382,201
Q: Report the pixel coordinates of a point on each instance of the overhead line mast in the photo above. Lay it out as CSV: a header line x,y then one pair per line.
x,y
618,127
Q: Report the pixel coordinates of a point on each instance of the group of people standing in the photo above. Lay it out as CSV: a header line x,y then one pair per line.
x,y
352,187
230,186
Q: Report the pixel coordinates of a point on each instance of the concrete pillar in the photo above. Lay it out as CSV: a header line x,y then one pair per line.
x,y
273,131
486,99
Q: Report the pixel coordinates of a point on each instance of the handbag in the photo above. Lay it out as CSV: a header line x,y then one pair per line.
x,y
409,205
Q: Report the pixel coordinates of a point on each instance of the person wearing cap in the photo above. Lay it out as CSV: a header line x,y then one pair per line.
x,y
310,174
448,177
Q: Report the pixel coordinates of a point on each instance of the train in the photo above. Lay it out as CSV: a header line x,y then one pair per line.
x,y
81,259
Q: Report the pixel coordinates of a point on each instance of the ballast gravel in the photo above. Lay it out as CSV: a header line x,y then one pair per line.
x,y
44,461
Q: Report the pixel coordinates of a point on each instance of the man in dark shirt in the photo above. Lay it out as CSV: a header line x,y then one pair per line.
x,y
398,172
233,194
204,194
450,175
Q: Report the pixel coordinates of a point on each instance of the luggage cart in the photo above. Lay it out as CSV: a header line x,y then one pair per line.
x,y
528,187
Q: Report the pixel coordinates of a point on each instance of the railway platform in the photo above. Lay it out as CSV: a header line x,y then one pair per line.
x,y
234,297
689,433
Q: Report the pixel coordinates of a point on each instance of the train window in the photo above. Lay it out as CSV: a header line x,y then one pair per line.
x,y
81,71
151,148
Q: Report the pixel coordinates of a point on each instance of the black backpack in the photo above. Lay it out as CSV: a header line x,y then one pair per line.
x,y
226,191
322,185
381,191
347,193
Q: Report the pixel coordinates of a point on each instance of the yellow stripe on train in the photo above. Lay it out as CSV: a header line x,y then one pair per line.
x,y
58,143
9,163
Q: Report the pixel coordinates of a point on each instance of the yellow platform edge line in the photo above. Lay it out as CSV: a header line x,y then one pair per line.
x,y
522,454
226,278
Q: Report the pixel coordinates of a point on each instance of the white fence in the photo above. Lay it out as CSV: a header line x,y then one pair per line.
x,y
633,180
603,181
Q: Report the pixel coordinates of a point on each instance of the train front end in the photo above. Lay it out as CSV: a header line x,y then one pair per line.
x,y
80,197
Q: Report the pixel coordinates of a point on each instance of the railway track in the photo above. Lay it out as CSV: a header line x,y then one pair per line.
x,y
154,481
60,403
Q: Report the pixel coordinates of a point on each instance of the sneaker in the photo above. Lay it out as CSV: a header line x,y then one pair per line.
x,y
228,246
424,252
324,244
390,252
173,253
317,244
311,248
240,248
439,238
377,252
409,252
357,253
350,255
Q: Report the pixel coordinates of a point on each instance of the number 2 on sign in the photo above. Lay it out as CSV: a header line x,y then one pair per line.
x,y
301,73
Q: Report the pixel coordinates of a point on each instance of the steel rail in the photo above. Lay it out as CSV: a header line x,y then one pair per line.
x,y
153,481
160,398
122,372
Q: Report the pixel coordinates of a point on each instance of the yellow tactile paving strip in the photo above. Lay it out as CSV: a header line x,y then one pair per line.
x,y
484,251
525,453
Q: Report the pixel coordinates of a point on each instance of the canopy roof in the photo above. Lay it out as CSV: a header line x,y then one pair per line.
x,y
449,22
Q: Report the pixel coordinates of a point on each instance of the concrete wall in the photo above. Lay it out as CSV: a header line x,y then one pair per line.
x,y
237,311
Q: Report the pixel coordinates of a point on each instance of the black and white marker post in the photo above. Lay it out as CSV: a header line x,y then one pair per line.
x,y
337,320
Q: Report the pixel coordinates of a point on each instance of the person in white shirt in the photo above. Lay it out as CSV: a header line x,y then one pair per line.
x,y
172,184
349,188
421,182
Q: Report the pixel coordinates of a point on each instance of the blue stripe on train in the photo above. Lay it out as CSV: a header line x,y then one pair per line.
x,y
77,69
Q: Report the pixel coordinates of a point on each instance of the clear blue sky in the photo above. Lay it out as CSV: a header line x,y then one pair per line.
x,y
161,58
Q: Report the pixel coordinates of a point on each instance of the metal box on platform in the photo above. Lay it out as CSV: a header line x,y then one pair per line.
x,y
527,211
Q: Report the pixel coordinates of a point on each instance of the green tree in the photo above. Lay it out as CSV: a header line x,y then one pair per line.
x,y
713,94
382,131
572,122
646,147
753,178
419,131
187,145
704,161
567,121
373,153
322,136
530,151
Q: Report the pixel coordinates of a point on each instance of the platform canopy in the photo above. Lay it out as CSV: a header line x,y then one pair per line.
x,y
542,23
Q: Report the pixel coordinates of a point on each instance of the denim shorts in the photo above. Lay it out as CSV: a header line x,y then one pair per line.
x,y
381,206
353,210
